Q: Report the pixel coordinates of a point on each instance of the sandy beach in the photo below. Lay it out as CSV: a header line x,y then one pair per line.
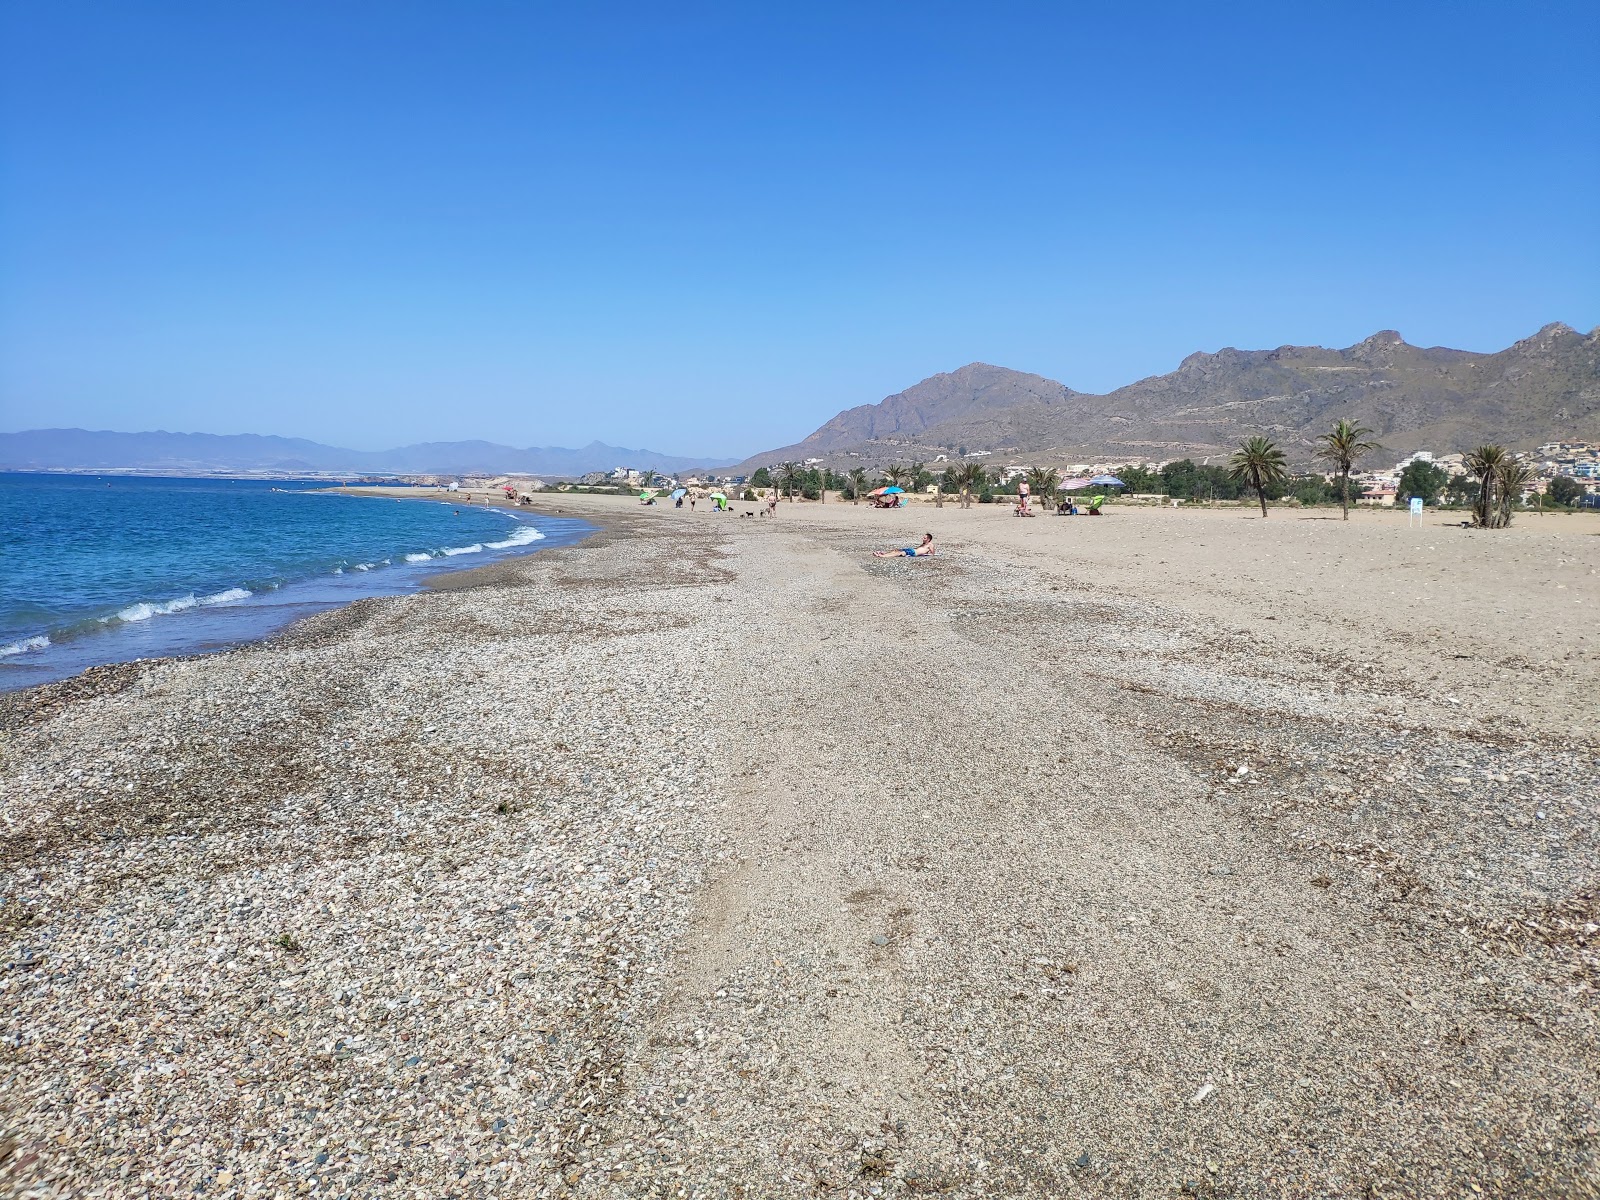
x,y
1171,853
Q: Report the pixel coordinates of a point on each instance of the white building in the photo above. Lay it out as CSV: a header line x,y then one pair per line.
x,y
1422,456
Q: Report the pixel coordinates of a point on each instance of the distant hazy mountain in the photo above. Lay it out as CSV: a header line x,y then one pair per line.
x,y
89,450
1541,388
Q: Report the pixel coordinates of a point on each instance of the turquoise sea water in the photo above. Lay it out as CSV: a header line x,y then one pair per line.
x,y
98,569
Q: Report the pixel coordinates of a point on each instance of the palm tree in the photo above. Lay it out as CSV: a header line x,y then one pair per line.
x,y
970,477
858,484
1260,464
789,477
1486,462
899,475
1043,483
1342,448
1512,477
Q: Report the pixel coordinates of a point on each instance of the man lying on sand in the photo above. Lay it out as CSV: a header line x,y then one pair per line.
x,y
925,547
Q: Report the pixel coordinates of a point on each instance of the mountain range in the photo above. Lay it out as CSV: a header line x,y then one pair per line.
x,y
210,453
1542,388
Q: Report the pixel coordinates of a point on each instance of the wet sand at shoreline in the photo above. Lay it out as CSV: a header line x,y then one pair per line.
x,y
713,857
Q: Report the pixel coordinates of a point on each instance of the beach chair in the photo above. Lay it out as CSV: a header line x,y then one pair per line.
x,y
1094,505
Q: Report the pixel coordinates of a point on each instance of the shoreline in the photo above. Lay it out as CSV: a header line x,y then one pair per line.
x,y
634,863
191,626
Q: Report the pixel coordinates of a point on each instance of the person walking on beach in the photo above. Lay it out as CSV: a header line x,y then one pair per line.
x,y
772,503
922,549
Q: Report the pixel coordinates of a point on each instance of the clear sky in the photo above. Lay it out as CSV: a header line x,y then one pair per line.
x,y
707,228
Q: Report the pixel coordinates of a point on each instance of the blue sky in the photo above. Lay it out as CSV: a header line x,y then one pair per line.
x,y
706,228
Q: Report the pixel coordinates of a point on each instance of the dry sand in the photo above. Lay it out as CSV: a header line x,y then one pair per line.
x,y
1168,853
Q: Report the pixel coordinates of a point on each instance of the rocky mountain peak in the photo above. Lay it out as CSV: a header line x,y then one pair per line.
x,y
1548,336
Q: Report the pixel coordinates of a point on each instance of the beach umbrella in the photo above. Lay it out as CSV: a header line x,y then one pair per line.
x,y
1106,481
678,494
1072,485
893,491
719,495
646,494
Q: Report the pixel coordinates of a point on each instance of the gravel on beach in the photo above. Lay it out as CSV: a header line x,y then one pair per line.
x,y
365,911
713,857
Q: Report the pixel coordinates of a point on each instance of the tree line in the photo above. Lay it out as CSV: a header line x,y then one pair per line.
x,y
1492,485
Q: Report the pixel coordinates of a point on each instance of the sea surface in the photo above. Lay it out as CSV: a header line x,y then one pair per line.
x,y
99,569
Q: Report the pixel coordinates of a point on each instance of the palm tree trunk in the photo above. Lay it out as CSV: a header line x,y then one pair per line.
x,y
1344,492
1261,494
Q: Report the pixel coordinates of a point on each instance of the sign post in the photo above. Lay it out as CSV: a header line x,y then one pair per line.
x,y
1416,511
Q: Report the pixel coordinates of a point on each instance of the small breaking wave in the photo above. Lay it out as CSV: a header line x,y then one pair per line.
x,y
146,609
25,646
520,536
475,548
418,557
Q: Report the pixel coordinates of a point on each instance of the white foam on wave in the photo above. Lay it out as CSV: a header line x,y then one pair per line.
x,y
452,551
24,646
145,609
338,570
418,557
520,536
362,567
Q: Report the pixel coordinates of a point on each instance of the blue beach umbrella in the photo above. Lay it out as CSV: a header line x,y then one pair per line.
x,y
678,493
1106,481
893,491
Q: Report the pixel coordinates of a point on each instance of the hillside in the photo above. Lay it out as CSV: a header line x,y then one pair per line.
x,y
1545,386
208,453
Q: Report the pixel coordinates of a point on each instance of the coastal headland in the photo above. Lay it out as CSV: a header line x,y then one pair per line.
x,y
1170,853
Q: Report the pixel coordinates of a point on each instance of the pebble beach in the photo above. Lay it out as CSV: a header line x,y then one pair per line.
x,y
1168,854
